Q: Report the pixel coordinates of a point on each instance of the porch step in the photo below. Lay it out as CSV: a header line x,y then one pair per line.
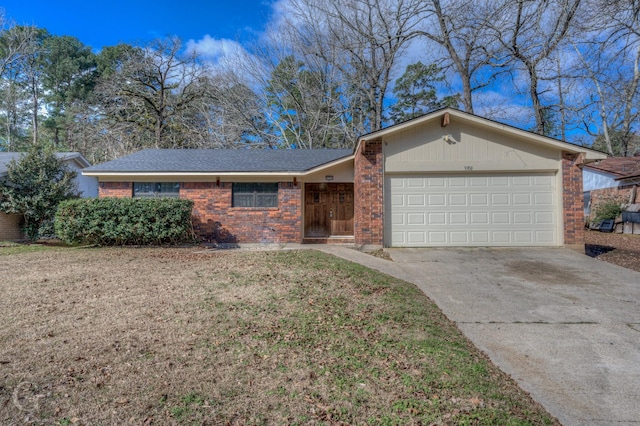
x,y
330,240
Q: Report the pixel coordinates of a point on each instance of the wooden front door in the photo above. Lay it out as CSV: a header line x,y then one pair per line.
x,y
328,209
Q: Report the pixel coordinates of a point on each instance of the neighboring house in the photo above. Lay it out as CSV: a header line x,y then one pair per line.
x,y
615,177
448,178
11,224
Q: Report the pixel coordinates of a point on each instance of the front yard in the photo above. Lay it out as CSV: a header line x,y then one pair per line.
x,y
171,336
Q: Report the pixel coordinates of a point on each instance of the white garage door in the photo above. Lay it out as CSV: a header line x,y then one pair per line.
x,y
471,210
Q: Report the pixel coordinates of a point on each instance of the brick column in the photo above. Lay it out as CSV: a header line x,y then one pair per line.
x,y
572,199
368,189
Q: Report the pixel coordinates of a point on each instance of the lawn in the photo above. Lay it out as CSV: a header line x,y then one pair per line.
x,y
171,336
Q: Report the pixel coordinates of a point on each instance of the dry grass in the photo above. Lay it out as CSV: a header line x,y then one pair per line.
x,y
169,336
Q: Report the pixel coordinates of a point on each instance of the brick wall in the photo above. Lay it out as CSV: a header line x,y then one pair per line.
x,y
629,194
572,199
213,216
115,189
10,227
368,189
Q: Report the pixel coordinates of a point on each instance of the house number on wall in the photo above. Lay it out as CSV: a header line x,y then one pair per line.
x,y
468,168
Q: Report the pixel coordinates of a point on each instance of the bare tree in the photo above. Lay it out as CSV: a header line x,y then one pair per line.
x,y
529,32
363,40
15,42
153,87
462,28
609,59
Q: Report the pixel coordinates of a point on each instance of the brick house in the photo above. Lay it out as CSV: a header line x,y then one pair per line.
x,y
612,178
11,224
448,178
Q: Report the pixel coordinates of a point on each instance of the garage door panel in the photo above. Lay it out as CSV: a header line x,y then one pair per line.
x,y
545,236
458,237
437,237
479,218
457,199
544,218
459,218
418,237
480,237
521,181
523,237
456,182
500,218
521,199
499,181
543,199
479,199
500,199
416,200
501,237
416,219
478,182
398,219
437,218
397,200
473,210
522,218
437,199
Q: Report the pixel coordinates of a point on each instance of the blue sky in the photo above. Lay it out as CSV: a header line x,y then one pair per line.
x,y
106,23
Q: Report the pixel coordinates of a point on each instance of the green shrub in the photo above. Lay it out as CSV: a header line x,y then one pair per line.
x,y
609,208
124,221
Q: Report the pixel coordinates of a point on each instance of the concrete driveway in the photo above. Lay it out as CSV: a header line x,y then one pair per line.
x,y
565,326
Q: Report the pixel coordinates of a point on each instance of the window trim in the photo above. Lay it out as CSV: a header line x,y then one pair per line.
x,y
157,190
255,193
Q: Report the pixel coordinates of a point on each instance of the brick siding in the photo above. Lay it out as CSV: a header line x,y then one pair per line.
x,y
215,219
572,199
115,189
623,194
368,191
11,227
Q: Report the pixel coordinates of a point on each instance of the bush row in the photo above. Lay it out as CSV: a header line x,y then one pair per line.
x,y
124,221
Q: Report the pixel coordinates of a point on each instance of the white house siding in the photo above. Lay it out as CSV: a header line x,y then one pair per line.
x,y
592,179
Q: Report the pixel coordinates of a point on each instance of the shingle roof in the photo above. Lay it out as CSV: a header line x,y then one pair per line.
x,y
620,167
6,157
222,160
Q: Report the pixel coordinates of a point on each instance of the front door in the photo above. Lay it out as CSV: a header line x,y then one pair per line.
x,y
328,209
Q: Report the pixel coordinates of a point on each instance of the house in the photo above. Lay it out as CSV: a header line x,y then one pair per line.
x,y
448,178
614,177
11,224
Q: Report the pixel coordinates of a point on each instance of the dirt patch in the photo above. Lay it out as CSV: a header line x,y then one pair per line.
x,y
170,336
619,249
380,253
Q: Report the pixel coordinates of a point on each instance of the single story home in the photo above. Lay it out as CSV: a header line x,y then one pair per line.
x,y
11,224
617,177
448,178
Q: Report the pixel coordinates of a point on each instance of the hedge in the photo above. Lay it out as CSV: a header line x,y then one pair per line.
x,y
124,221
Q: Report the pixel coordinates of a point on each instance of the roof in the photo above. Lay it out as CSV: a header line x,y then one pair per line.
x,y
7,157
619,167
443,115
221,161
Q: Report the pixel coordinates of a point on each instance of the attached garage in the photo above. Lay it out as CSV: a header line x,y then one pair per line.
x,y
450,178
472,210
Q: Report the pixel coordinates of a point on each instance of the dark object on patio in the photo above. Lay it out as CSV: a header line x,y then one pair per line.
x,y
631,217
607,225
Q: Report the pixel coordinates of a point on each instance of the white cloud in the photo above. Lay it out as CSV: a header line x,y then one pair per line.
x,y
215,50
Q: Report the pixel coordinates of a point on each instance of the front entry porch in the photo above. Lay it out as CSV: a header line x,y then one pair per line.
x,y
328,216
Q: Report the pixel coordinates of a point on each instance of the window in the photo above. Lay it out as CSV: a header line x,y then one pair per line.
x,y
255,195
156,189
587,203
